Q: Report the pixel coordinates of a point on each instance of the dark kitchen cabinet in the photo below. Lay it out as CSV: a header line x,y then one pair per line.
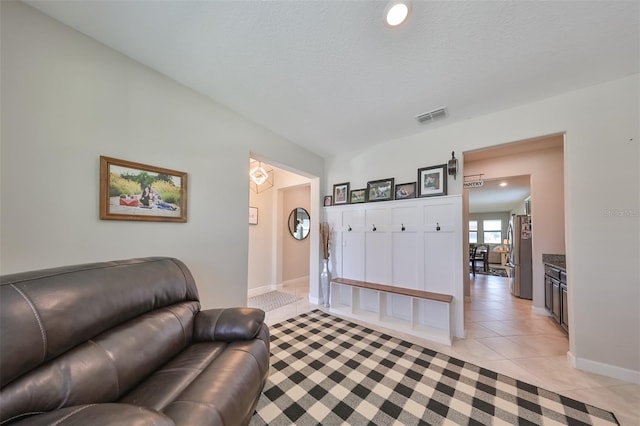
x,y
555,307
564,318
548,293
555,295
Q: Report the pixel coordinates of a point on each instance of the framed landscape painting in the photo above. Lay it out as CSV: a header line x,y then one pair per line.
x,y
134,191
432,181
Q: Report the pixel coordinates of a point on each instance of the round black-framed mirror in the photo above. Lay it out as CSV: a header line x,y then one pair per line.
x,y
299,223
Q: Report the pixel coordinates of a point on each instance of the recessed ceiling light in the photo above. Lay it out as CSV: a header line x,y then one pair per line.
x,y
396,12
503,183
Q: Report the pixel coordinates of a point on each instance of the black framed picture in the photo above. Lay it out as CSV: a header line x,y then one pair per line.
x,y
405,190
432,181
380,190
358,196
341,193
328,200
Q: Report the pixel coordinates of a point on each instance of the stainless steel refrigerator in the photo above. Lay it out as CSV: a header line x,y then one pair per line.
x,y
521,277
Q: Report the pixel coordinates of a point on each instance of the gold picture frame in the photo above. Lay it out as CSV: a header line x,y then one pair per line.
x,y
140,192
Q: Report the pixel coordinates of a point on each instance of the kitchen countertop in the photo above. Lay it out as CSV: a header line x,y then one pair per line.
x,y
557,260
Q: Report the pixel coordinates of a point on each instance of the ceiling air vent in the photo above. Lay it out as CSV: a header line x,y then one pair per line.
x,y
432,115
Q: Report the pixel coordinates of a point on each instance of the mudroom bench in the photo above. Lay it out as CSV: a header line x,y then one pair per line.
x,y
416,312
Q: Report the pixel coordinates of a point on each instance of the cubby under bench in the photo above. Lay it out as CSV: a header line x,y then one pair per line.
x,y
419,313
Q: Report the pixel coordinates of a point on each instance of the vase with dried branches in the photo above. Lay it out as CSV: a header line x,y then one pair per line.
x,y
325,240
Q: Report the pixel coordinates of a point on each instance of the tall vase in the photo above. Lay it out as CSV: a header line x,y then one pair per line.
x,y
324,282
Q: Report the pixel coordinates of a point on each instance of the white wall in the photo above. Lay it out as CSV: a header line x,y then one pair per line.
x,y
66,100
519,209
602,203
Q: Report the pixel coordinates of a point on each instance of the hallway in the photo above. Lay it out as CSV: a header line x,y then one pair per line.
x,y
299,288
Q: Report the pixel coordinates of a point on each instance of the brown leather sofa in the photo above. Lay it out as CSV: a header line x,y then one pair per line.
x,y
125,343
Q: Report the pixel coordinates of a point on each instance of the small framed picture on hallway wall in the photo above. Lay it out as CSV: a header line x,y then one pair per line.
x,y
253,215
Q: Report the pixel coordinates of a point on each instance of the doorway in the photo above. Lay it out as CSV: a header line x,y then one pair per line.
x,y
491,207
492,282
271,259
541,161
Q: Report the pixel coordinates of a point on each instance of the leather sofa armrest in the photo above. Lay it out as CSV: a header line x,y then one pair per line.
x,y
227,324
99,415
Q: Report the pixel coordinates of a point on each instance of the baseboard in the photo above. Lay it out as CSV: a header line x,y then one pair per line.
x,y
604,369
314,300
463,336
304,280
271,287
261,290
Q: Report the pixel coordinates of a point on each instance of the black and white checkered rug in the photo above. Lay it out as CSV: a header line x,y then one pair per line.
x,y
330,371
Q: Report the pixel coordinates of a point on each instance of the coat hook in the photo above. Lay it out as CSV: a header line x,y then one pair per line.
x,y
349,229
437,226
374,228
402,227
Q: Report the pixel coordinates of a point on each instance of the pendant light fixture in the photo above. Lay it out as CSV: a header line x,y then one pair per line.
x,y
260,176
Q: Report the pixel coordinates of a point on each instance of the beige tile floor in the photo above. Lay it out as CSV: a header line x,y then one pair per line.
x,y
300,288
504,335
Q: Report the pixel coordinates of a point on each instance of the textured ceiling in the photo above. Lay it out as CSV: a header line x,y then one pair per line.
x,y
330,76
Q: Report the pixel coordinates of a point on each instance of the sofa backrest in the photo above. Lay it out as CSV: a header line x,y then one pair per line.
x,y
88,333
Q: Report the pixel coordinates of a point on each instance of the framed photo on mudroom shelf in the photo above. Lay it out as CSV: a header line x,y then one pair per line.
x,y
432,181
357,196
380,190
328,200
405,190
135,191
341,193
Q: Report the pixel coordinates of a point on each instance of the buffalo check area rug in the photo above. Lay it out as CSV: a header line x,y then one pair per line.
x,y
326,370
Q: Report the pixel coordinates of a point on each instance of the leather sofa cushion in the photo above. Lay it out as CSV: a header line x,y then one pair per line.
x,y
99,415
164,385
227,324
104,368
208,383
224,393
45,313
